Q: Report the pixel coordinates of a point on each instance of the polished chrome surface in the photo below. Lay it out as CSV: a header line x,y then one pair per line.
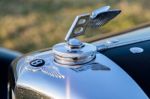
x,y
65,55
96,19
124,39
75,44
74,69
75,52
102,80
100,10
78,26
102,18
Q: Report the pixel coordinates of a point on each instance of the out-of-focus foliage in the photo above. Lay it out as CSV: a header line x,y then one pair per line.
x,y
27,25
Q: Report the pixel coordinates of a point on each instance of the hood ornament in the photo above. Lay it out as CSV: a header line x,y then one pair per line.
x,y
75,52
96,19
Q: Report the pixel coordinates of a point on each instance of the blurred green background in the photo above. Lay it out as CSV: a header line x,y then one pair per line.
x,y
27,25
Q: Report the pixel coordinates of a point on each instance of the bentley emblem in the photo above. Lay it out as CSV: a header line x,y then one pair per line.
x,y
48,70
52,71
37,62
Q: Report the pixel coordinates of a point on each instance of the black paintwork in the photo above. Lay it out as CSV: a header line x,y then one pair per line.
x,y
136,65
6,57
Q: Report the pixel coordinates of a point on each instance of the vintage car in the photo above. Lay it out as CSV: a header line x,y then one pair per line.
x,y
116,67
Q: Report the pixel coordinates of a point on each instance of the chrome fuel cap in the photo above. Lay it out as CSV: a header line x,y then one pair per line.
x,y
73,52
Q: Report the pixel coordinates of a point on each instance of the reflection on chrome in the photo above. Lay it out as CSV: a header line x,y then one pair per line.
x,y
68,93
74,69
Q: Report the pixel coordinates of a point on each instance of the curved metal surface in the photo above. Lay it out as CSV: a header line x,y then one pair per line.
x,y
97,77
79,82
96,19
73,56
124,39
136,63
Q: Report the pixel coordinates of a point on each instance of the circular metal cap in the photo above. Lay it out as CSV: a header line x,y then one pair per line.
x,y
75,43
64,54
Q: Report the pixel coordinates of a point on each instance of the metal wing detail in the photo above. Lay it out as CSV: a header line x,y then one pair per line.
x,y
48,70
102,18
96,19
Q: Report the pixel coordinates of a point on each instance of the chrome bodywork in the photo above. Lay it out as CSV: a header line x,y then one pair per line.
x,y
73,70
124,39
79,82
76,56
96,19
